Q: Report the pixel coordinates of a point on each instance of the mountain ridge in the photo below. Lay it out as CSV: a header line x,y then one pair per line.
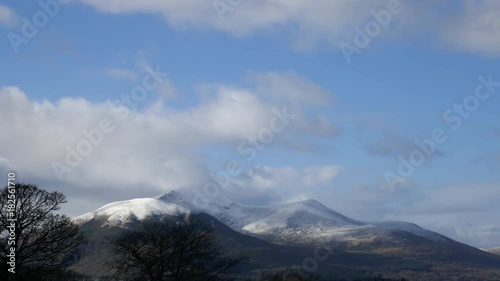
x,y
304,221
285,235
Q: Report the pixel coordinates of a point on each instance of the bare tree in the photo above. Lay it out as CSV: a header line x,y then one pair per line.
x,y
42,239
185,250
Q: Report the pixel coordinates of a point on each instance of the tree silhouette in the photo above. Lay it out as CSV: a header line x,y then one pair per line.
x,y
44,241
162,250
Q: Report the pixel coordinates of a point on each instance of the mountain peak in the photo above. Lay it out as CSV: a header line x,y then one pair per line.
x,y
312,203
172,195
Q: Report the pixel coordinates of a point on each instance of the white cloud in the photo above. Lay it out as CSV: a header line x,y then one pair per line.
x,y
471,26
121,73
475,28
146,148
154,149
289,183
8,16
166,90
321,21
289,86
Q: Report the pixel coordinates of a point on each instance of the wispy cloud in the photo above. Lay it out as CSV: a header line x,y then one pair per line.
x,y
8,17
392,145
290,183
122,73
474,28
470,26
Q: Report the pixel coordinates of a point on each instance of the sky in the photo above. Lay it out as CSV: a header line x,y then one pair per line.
x,y
381,110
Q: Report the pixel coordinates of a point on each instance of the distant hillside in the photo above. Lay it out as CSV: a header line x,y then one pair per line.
x,y
285,236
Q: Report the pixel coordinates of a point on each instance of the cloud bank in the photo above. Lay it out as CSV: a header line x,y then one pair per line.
x,y
155,146
467,26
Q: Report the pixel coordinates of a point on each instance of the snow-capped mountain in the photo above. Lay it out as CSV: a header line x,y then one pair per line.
x,y
306,221
286,235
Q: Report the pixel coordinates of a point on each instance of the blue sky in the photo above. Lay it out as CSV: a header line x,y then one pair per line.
x,y
353,118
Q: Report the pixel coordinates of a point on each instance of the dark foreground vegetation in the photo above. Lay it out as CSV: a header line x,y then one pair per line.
x,y
290,275
36,243
162,250
39,244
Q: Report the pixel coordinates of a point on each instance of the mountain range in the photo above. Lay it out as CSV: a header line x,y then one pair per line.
x,y
285,236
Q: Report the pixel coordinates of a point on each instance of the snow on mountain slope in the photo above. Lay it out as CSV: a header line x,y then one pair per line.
x,y
299,220
121,212
495,250
304,221
289,220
